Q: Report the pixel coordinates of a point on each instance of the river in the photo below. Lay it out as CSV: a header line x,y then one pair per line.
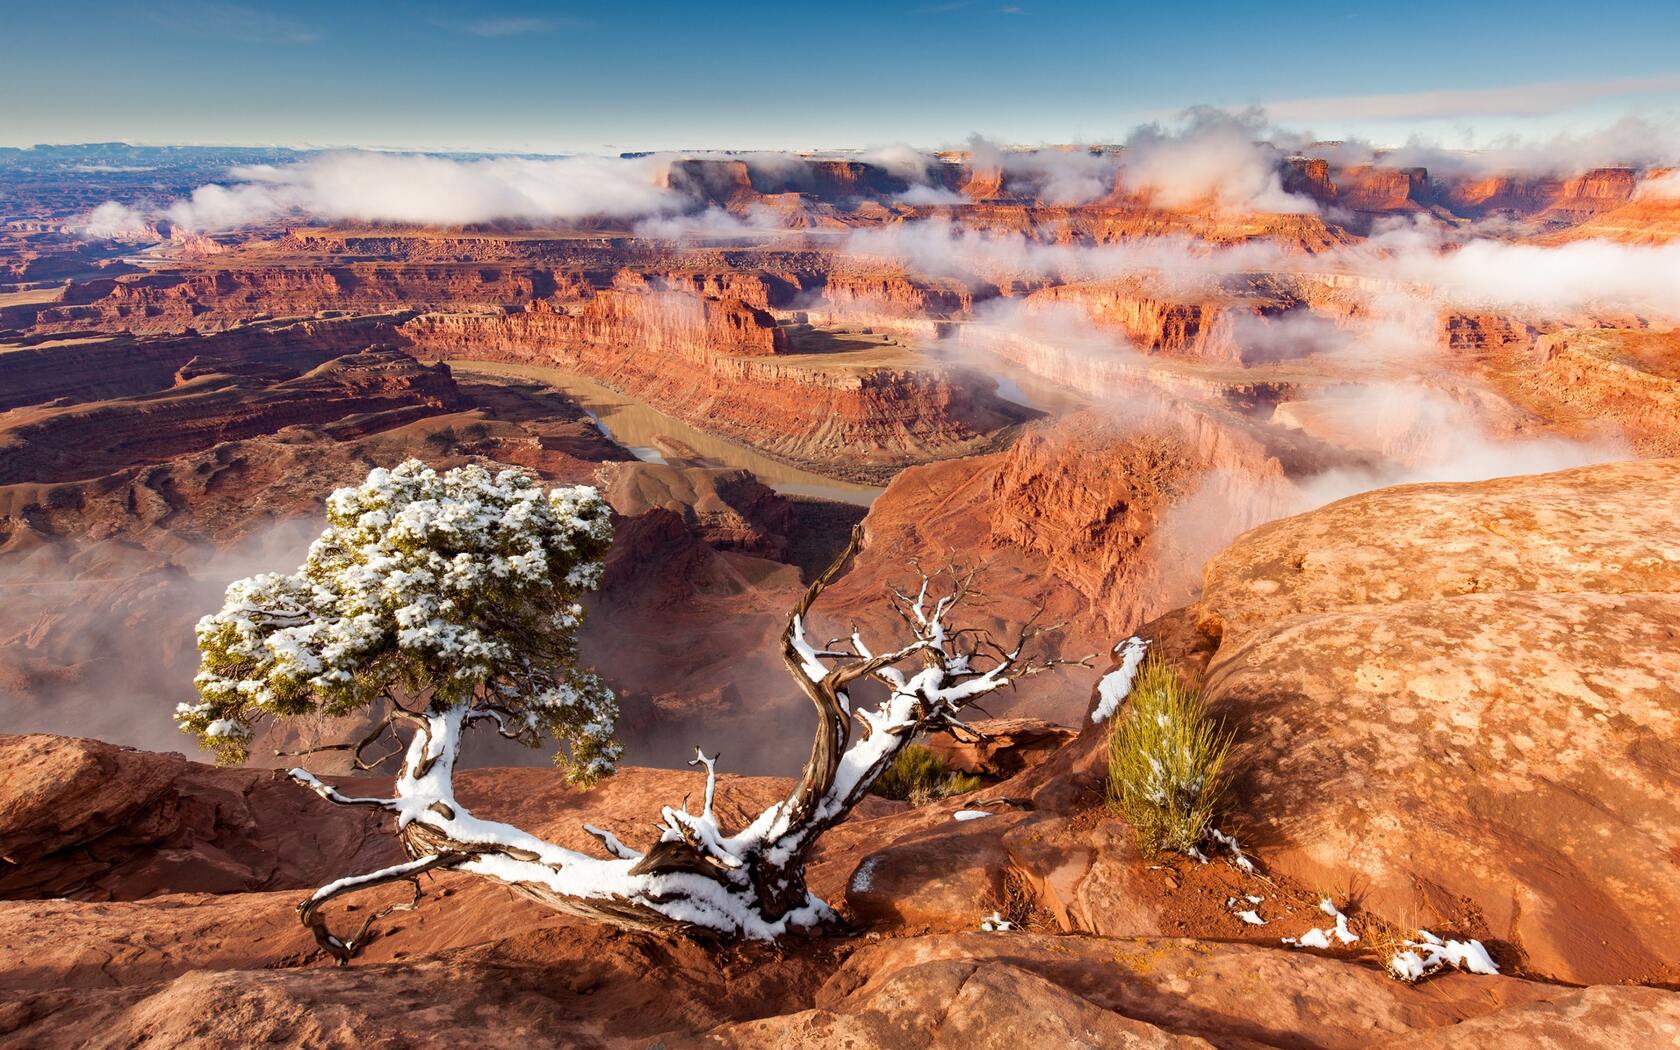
x,y
644,430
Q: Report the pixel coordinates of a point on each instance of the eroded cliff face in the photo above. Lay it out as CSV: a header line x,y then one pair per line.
x,y
1622,384
1374,188
1367,191
1126,219
897,294
1153,321
147,303
1647,218
720,364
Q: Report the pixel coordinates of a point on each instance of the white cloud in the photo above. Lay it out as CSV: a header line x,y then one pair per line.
x,y
1054,176
1226,158
1637,142
1423,261
1531,99
404,188
1663,186
711,223
115,221
1535,279
923,196
900,160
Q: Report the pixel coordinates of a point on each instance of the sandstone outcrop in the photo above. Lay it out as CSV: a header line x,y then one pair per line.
x,y
1006,747
728,509
1624,384
1465,712
90,821
223,968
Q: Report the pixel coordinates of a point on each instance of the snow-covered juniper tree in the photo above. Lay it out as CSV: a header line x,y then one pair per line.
x,y
451,601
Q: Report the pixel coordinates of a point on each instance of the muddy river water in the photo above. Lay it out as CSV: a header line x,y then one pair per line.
x,y
644,430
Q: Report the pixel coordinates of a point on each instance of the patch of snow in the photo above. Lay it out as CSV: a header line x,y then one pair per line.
x,y
1343,934
1320,938
1407,966
1429,953
1116,685
1310,939
865,872
229,727
1238,858
970,814
1248,915
996,923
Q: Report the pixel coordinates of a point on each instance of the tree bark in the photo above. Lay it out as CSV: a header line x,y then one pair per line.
x,y
695,877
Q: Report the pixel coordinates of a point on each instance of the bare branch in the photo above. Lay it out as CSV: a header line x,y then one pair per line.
x,y
331,794
499,715
612,844
309,911
356,748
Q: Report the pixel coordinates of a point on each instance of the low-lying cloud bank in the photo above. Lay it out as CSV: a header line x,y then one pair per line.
x,y
1662,186
1233,161
411,189
1412,259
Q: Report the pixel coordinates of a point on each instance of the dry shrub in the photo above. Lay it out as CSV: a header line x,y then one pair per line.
x,y
1166,762
917,776
1016,902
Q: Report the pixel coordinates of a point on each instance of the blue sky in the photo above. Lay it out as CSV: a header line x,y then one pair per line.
x,y
594,77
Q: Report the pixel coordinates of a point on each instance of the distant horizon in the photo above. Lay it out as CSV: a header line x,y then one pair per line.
x,y
533,77
292,147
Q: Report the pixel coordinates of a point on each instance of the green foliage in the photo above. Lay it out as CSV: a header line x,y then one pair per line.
x,y
1166,761
917,775
439,590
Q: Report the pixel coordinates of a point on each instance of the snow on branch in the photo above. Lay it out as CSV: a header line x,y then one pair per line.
x,y
695,875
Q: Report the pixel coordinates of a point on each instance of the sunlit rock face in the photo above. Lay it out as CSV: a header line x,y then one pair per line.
x,y
1461,695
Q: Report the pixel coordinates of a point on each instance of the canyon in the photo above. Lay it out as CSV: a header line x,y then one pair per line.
x,y
1384,468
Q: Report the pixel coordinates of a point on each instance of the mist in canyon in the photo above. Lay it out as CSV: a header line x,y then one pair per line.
x,y
98,637
1349,376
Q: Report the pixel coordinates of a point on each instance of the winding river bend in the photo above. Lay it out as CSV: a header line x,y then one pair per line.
x,y
655,437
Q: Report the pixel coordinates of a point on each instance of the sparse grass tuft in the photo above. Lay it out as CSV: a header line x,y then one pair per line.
x,y
1166,762
917,776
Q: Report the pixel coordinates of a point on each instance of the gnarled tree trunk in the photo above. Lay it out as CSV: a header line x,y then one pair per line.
x,y
696,877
